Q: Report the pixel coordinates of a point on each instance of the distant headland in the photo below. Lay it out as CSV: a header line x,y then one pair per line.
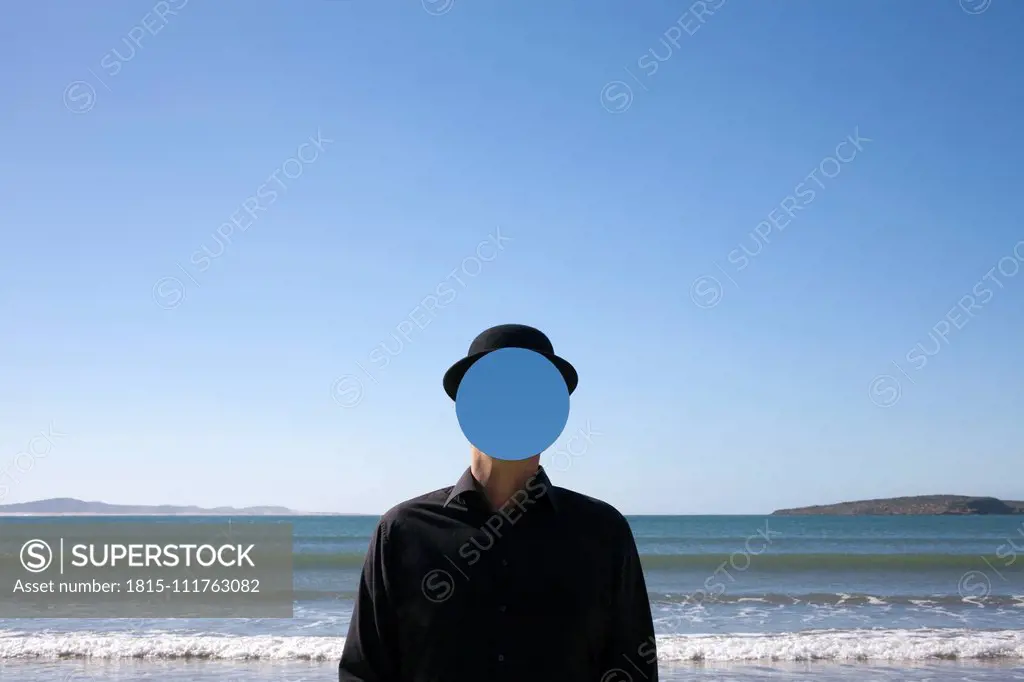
x,y
946,505
67,506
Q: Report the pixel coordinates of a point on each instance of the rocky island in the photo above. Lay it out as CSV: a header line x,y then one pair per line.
x,y
60,506
919,505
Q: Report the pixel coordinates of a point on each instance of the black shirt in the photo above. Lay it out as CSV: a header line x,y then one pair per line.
x,y
548,588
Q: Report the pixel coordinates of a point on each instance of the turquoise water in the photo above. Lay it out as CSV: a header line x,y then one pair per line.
x,y
739,597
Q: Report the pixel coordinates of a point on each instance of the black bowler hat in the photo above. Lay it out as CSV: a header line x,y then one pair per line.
x,y
507,336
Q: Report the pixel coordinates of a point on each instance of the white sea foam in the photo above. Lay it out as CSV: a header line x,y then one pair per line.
x,y
834,645
169,646
846,645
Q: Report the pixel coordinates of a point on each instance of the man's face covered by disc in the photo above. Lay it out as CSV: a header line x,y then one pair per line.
x,y
512,404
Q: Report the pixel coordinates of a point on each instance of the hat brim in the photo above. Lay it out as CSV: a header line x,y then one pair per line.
x,y
453,377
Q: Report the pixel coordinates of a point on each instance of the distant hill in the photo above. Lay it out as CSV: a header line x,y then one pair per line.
x,y
68,505
921,504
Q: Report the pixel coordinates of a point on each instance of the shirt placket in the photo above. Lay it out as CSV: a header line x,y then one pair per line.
x,y
502,580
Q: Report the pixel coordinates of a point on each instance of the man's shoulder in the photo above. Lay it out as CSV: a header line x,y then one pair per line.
x,y
591,508
583,507
407,509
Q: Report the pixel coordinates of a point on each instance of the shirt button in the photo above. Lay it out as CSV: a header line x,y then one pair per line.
x,y
502,608
501,658
504,562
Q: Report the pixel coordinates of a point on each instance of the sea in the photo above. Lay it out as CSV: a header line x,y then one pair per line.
x,y
738,598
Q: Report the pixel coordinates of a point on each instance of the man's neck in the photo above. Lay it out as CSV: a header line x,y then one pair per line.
x,y
501,479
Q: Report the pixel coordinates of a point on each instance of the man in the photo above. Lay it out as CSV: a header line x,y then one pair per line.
x,y
502,576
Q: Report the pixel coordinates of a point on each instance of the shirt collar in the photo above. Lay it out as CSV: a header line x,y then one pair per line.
x,y
538,487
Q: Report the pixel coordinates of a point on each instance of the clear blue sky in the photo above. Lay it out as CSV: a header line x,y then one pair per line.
x,y
448,125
